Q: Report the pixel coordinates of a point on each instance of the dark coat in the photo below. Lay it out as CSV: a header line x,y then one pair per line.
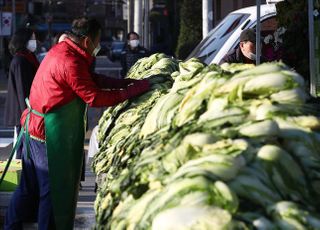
x,y
236,56
129,57
22,70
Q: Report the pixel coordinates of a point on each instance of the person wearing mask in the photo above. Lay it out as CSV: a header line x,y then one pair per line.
x,y
54,125
60,37
132,53
246,52
22,70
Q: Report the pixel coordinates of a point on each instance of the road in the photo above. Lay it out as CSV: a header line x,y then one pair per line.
x,y
84,213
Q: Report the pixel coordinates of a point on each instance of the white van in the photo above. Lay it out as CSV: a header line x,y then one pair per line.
x,y
225,36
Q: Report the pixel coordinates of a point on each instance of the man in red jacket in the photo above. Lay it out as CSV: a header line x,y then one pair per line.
x,y
54,127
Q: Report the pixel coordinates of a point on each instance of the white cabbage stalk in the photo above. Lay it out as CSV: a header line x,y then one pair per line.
x,y
233,84
183,86
226,198
284,172
263,223
195,97
289,224
289,215
308,121
296,77
265,111
262,69
252,188
267,84
217,114
291,96
192,217
217,103
239,144
219,166
235,67
262,128
219,108
292,131
161,114
309,158
199,139
137,210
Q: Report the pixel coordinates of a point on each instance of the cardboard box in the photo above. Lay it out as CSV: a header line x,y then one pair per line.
x,y
12,178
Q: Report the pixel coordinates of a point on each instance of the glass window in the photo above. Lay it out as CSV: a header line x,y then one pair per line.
x,y
210,45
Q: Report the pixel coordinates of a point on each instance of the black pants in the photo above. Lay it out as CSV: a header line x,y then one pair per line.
x,y
31,202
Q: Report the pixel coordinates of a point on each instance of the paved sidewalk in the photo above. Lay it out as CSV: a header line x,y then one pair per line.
x,y
85,216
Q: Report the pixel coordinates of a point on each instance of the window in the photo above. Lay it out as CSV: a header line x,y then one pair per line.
x,y
210,45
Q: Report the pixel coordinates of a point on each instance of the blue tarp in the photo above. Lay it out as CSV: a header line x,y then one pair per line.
x,y
57,27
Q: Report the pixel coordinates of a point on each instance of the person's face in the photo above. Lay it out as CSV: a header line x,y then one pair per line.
x,y
90,44
247,47
33,36
133,37
133,41
32,43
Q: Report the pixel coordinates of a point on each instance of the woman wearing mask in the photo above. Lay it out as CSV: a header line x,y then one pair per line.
x,y
132,53
23,68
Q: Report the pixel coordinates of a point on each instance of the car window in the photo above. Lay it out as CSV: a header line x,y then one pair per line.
x,y
208,47
268,26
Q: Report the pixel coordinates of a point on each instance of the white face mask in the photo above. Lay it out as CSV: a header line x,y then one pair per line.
x,y
252,56
134,43
32,45
96,50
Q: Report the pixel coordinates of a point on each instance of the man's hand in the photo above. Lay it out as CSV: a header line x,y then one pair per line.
x,y
138,87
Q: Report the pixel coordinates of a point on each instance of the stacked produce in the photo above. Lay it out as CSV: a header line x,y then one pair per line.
x,y
230,147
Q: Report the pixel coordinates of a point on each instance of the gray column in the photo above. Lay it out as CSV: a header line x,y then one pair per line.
x,y
258,31
13,16
207,17
313,77
130,15
138,16
146,24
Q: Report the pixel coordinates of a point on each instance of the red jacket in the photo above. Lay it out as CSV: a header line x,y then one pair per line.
x,y
65,74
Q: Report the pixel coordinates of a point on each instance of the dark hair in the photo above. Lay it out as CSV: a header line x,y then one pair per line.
x,y
83,27
132,32
19,40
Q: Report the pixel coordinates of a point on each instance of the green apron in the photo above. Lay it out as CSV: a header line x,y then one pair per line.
x,y
65,130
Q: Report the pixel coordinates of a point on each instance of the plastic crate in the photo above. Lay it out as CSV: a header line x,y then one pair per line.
x,y
12,178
